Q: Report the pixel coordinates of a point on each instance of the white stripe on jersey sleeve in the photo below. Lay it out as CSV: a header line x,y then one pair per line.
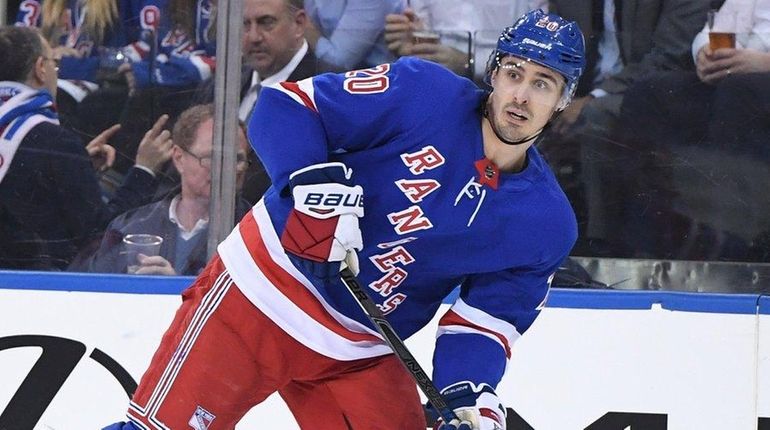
x,y
486,323
285,313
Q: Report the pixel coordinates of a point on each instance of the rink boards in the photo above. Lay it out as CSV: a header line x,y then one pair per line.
x,y
71,346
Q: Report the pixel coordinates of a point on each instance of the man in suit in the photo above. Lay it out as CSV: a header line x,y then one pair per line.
x,y
274,50
625,41
274,47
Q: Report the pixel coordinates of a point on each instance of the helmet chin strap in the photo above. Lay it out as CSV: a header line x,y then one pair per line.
x,y
526,139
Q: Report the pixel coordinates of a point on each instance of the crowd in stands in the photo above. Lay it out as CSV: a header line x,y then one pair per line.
x,y
181,218
107,122
662,153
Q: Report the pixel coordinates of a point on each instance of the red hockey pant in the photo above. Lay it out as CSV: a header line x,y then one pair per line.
x,y
221,356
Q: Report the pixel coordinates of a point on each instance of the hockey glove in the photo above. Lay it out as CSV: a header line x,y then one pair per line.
x,y
322,228
477,407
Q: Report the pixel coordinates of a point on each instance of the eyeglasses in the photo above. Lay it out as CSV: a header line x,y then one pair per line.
x,y
241,160
56,62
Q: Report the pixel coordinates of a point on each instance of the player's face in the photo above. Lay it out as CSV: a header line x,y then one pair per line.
x,y
524,97
272,34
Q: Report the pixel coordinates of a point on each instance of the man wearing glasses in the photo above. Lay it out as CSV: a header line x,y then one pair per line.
x,y
50,201
181,218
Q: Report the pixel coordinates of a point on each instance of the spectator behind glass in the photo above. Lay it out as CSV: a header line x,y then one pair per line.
x,y
626,40
183,50
182,218
348,34
274,50
458,22
50,198
715,120
89,36
163,76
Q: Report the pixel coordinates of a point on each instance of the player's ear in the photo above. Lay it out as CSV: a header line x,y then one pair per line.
x,y
493,76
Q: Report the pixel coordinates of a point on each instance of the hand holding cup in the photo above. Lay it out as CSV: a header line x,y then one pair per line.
x,y
136,244
722,26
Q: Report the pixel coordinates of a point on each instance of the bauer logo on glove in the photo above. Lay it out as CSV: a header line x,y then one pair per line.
x,y
328,200
323,225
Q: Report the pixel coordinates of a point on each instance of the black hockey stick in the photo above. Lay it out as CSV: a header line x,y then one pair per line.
x,y
397,345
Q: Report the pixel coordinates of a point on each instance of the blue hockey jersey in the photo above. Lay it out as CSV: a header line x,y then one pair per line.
x,y
170,56
125,31
411,133
160,53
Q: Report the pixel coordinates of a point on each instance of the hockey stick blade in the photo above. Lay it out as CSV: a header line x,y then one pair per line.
x,y
397,345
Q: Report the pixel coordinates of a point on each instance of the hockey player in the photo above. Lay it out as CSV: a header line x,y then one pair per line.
x,y
433,183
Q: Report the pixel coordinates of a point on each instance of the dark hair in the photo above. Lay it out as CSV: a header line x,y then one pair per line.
x,y
187,124
20,47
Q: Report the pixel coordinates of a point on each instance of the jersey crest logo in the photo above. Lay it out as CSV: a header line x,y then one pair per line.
x,y
201,419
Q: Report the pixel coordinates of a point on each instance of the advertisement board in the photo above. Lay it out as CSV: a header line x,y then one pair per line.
x,y
593,360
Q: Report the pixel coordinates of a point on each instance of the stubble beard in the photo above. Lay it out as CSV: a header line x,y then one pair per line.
x,y
508,132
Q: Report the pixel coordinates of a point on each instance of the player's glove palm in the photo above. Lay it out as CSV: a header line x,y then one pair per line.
x,y
478,408
323,226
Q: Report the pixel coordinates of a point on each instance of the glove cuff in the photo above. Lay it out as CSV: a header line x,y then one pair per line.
x,y
323,173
